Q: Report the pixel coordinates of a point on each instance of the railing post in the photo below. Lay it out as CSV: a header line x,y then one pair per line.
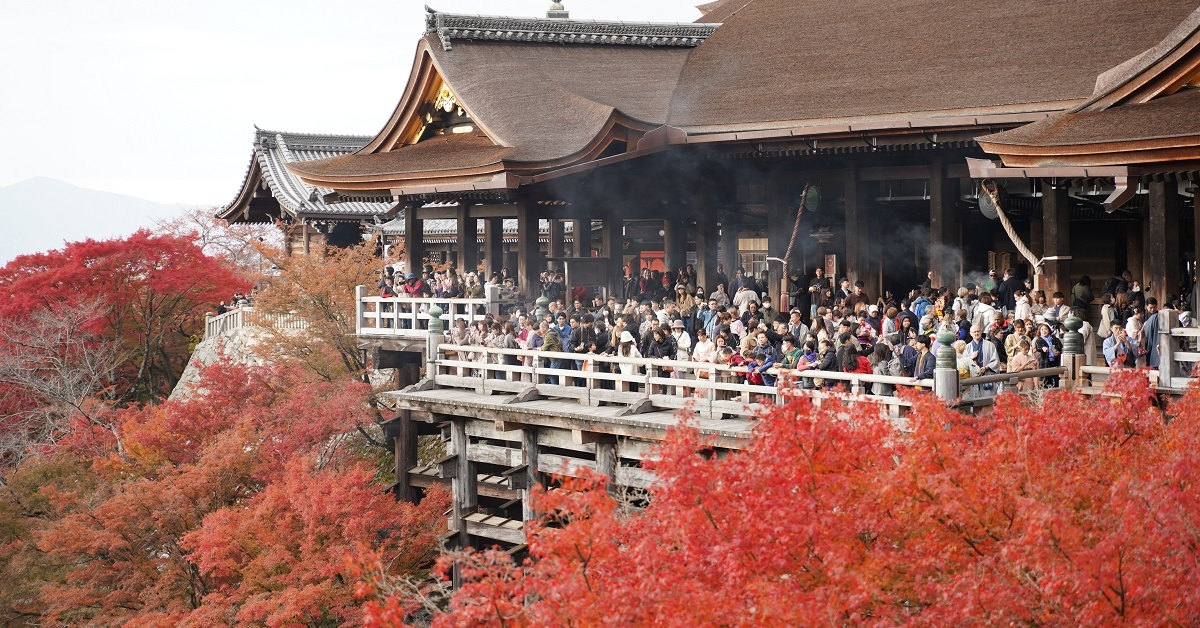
x,y
1167,320
492,294
433,342
360,293
1072,350
945,373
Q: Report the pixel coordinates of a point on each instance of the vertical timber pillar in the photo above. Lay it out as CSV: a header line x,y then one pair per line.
x,y
527,247
493,245
856,213
1162,241
612,248
730,228
945,254
1056,238
529,450
466,498
606,458
706,248
406,456
414,241
468,239
674,244
780,219
1133,250
581,237
558,241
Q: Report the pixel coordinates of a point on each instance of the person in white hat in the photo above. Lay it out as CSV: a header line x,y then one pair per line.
x,y
628,349
682,340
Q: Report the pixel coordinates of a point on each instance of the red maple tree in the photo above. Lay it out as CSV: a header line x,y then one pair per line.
x,y
1075,510
150,294
235,505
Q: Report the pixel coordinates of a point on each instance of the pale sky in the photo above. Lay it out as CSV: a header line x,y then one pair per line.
x,y
159,99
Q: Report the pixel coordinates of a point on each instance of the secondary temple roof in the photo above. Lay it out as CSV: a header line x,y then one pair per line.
x,y
1144,110
268,181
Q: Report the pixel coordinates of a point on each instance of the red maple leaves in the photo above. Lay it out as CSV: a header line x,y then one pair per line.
x,y
1076,511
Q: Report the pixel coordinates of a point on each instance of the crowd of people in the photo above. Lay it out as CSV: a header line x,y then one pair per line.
x,y
1003,325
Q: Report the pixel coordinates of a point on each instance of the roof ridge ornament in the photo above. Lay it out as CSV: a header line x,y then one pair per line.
x,y
547,30
557,12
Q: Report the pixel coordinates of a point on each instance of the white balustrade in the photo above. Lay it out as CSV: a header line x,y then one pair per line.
x,y
712,390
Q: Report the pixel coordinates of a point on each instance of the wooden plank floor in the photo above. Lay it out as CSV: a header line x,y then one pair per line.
x,y
566,414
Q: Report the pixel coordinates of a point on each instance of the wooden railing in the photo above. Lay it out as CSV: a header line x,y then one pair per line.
x,y
712,390
1177,351
408,317
248,317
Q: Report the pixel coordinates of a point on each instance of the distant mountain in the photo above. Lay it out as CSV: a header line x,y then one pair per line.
x,y
42,213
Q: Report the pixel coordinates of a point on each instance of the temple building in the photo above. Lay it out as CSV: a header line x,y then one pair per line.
x,y
669,144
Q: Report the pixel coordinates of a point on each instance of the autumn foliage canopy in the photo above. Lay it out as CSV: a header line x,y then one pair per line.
x,y
1077,511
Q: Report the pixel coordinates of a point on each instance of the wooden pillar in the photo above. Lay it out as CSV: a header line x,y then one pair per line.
x,y
304,235
406,456
674,243
465,490
1162,241
1056,238
612,247
558,242
606,458
780,219
468,239
414,241
1133,250
856,214
529,451
529,262
581,237
706,248
493,245
945,251
730,228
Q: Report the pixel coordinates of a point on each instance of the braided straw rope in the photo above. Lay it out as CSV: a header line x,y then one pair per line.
x,y
989,188
795,228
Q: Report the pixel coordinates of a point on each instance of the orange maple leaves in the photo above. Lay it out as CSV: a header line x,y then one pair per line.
x,y
1076,511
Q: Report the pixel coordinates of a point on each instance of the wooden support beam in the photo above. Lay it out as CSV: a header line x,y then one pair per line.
x,y
856,214
468,239
1056,238
612,247
584,437
674,244
529,452
493,246
465,491
405,442
945,254
730,229
581,237
414,242
606,459
558,241
1162,241
528,259
780,220
1133,249
706,247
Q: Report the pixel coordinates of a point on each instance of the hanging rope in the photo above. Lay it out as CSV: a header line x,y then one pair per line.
x,y
795,228
989,188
